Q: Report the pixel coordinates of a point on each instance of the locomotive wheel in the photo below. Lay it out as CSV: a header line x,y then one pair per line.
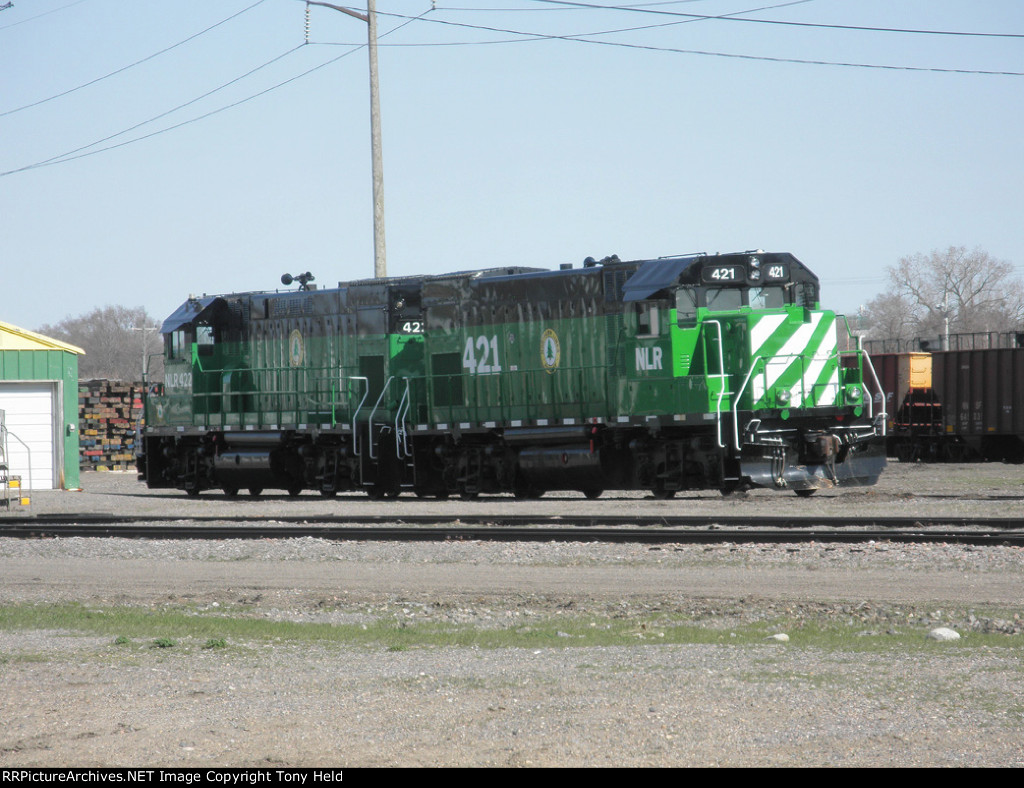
x,y
231,492
294,491
192,492
328,493
255,492
663,495
469,496
593,493
805,493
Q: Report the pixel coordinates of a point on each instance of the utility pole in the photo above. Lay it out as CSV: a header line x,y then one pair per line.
x,y
380,269
146,331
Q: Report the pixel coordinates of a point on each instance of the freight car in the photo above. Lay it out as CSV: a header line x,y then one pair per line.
x,y
694,372
914,430
954,405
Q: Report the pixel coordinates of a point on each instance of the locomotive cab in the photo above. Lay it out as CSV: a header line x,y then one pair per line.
x,y
786,402
198,358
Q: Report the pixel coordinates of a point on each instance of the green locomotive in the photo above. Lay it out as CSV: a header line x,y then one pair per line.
x,y
694,372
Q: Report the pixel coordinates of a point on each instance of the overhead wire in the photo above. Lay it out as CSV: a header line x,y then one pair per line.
x,y
82,152
131,65
530,37
737,18
635,29
68,155
587,38
39,16
534,10
706,53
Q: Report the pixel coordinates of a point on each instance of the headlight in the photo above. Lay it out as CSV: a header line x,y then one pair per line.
x,y
782,397
853,393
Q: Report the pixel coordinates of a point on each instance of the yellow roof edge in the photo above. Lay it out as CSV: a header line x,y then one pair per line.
x,y
39,339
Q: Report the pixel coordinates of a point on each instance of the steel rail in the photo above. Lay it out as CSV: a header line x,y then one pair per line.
x,y
538,533
536,520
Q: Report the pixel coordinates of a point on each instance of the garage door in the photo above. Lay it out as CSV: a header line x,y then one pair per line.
x,y
29,416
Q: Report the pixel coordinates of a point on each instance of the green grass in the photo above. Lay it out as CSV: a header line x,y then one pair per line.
x,y
183,629
10,659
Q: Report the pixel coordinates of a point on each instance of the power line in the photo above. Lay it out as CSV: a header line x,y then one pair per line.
x,y
522,35
58,160
539,36
82,152
735,18
569,8
131,65
529,37
67,155
674,50
38,16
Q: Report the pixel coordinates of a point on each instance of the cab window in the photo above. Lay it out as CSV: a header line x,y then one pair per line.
x,y
722,299
686,304
176,344
204,340
646,320
767,298
806,294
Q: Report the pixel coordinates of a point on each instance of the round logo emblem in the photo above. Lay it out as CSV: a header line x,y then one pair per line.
x,y
295,348
550,350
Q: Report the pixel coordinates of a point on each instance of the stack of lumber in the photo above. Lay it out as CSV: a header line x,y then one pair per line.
x,y
109,413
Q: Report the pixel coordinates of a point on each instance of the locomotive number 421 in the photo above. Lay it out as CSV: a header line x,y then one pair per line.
x,y
480,355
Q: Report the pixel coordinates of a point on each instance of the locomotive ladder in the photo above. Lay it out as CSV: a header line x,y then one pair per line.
x,y
370,464
402,450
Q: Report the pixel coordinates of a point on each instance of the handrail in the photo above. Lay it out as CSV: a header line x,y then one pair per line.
x,y
835,356
28,451
884,414
383,391
736,403
722,376
401,445
359,407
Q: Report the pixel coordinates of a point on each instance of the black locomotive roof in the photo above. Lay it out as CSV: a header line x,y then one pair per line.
x,y
482,273
643,280
191,311
655,275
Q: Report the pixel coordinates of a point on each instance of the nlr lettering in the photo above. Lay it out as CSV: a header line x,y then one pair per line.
x,y
648,358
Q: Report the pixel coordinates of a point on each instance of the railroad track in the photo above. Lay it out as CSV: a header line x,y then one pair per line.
x,y
605,528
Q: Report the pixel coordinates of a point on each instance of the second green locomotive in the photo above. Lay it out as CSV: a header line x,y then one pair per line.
x,y
693,372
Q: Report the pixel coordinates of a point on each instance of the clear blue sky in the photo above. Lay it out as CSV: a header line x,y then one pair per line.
x,y
499,147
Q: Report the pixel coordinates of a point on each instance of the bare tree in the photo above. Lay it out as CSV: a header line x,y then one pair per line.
x,y
973,290
115,339
890,316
